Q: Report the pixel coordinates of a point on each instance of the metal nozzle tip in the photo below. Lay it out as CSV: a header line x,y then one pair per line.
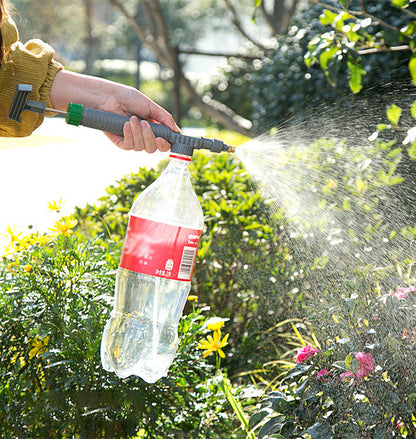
x,y
231,148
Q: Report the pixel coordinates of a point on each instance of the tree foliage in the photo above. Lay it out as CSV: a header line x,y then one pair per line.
x,y
330,49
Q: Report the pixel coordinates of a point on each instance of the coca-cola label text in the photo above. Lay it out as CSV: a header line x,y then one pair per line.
x,y
160,249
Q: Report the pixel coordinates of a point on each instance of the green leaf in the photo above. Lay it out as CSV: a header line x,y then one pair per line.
x,y
412,151
320,431
270,427
353,36
413,109
356,73
400,3
360,185
340,365
345,3
235,404
257,418
327,55
412,68
339,20
288,429
409,29
348,360
327,17
381,126
346,205
393,114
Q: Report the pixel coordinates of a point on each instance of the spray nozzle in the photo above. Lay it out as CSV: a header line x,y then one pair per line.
x,y
77,115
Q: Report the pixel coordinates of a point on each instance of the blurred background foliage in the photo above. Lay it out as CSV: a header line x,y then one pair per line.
x,y
294,55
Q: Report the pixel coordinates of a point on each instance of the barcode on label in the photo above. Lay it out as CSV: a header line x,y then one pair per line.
x,y
187,262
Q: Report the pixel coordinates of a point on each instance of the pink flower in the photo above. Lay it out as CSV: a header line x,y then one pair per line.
x,y
402,292
365,364
323,373
346,376
305,353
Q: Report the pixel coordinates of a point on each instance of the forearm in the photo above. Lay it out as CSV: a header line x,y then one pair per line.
x,y
104,95
81,89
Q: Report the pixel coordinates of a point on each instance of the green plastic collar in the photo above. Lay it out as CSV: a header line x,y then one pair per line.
x,y
74,114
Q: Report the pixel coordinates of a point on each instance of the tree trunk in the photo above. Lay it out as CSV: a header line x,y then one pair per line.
x,y
138,61
90,42
279,15
177,72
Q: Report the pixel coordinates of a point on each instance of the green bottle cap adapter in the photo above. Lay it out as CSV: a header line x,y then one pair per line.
x,y
74,114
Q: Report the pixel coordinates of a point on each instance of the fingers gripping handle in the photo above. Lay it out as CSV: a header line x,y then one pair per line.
x,y
109,122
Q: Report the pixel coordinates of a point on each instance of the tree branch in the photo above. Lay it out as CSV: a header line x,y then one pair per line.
x,y
144,35
217,111
237,23
279,18
356,14
407,11
222,54
159,18
383,49
270,19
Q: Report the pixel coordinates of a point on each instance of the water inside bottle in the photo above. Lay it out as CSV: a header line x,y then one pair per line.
x,y
143,342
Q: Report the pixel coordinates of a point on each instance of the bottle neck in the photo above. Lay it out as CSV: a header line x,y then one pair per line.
x,y
174,157
178,161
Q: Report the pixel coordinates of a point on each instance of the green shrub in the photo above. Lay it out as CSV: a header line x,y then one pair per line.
x,y
252,269
360,382
361,306
243,263
55,296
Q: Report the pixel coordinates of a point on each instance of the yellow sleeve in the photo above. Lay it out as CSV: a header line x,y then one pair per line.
x,y
31,63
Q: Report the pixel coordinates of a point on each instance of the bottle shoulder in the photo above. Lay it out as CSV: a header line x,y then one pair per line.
x,y
170,199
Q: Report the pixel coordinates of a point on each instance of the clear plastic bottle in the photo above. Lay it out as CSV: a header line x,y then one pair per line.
x,y
154,276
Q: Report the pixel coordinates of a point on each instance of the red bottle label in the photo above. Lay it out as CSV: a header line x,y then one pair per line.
x,y
160,249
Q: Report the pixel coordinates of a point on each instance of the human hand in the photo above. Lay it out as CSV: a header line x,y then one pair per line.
x,y
116,98
138,135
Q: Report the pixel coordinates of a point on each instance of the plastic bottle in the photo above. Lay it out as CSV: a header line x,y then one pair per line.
x,y
154,276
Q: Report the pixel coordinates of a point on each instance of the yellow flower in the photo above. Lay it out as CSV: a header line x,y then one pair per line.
x,y
64,228
214,344
215,323
12,234
330,185
28,268
38,346
56,206
193,298
13,265
14,244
